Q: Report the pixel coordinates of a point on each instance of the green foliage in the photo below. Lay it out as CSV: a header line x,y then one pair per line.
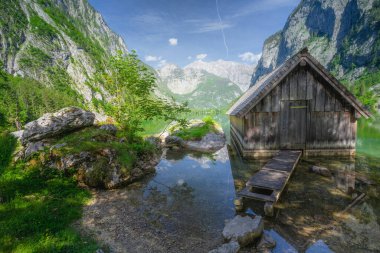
x,y
362,89
8,145
23,100
37,210
72,28
35,59
132,85
12,26
41,28
92,139
198,132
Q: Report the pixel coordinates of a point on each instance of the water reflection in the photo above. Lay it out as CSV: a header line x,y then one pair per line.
x,y
183,207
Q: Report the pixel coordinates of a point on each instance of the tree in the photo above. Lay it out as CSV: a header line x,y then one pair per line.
x,y
131,84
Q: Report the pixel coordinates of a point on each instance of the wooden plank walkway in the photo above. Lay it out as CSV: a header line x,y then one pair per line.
x,y
268,184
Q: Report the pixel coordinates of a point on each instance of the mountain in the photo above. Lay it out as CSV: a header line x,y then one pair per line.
x,y
60,43
342,35
237,73
203,90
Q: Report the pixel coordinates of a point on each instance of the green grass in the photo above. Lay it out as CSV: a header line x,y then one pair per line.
x,y
155,126
38,207
196,133
93,139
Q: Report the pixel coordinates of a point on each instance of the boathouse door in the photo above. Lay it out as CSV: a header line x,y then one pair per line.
x,y
293,124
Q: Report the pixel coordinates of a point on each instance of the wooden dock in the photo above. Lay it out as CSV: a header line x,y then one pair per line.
x,y
268,184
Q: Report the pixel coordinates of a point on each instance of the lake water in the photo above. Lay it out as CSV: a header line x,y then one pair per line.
x,y
184,206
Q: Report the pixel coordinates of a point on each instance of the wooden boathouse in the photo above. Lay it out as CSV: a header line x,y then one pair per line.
x,y
298,106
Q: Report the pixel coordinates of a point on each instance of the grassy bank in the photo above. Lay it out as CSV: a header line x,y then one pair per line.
x,y
37,207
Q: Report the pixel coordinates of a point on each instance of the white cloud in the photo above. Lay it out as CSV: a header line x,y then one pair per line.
x,y
173,41
189,57
250,57
204,26
152,58
201,56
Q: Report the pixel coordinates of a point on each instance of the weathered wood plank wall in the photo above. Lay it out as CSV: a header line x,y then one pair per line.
x,y
329,121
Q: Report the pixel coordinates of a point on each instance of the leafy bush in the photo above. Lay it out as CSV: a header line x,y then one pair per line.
x,y
7,144
132,85
198,132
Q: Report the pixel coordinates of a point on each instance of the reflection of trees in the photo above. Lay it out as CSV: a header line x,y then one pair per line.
x,y
180,155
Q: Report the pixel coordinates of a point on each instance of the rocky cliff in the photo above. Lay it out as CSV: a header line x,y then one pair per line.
x,y
342,35
57,42
200,88
238,73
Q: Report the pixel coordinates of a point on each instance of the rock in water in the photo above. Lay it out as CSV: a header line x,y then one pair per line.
x,y
231,247
210,142
52,124
243,229
173,140
320,170
266,243
319,247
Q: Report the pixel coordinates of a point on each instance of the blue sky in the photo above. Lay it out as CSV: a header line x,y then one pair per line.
x,y
182,31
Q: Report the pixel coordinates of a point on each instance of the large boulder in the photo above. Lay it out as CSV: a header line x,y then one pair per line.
x,y
209,143
100,168
243,229
172,140
52,124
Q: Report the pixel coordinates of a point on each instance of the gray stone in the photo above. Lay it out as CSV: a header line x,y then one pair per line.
x,y
266,243
53,124
231,247
320,170
243,229
210,142
33,147
110,128
17,134
173,140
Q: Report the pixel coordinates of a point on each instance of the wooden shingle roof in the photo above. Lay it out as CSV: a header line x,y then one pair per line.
x,y
261,88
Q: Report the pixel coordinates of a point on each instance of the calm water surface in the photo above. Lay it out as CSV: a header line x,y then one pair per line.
x,y
184,206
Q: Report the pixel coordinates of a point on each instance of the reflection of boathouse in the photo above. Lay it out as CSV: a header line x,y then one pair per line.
x,y
345,178
299,105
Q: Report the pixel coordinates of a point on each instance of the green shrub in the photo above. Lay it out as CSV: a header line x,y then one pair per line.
x,y
8,145
198,132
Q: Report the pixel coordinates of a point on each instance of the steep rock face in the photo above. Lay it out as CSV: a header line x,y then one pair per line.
x,y
57,42
237,73
196,86
342,35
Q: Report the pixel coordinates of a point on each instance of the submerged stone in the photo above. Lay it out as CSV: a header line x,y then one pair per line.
x,y
266,243
320,170
282,246
319,247
243,229
231,247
